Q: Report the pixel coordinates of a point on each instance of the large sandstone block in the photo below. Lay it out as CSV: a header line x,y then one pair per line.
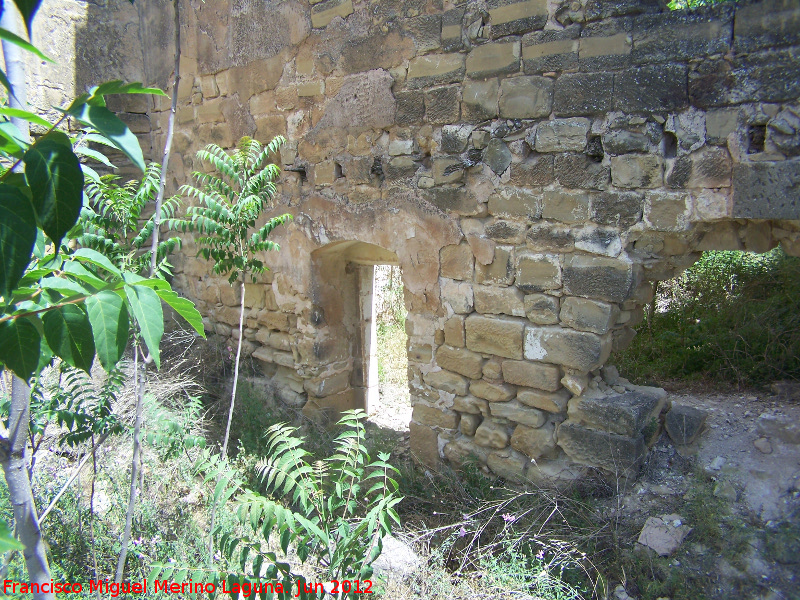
x,y
433,69
446,381
624,414
766,190
534,441
550,50
564,206
580,94
651,88
597,277
500,270
492,392
492,59
637,171
461,450
498,336
491,435
578,350
580,171
551,238
499,300
508,464
424,444
471,405
434,417
509,16
534,171
541,309
454,332
457,295
519,413
538,272
515,202
479,100
562,135
620,209
552,402
618,454
532,375
588,315
460,360
526,97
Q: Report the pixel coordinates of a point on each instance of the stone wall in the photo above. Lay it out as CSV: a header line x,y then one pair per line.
x,y
533,166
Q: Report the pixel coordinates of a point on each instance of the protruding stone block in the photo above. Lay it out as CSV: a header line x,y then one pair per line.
x,y
562,135
624,414
490,60
493,300
618,454
447,382
469,424
471,405
491,435
534,441
526,97
434,417
519,413
460,360
532,375
684,423
493,392
498,336
588,315
578,350
597,277
541,309
552,402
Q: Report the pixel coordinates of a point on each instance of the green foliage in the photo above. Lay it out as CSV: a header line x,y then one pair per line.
x,y
693,4
231,200
173,434
110,223
733,316
334,512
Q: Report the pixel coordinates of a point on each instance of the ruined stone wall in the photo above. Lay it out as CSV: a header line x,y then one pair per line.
x,y
532,166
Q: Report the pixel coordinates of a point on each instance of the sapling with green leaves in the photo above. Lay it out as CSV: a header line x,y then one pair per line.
x,y
231,200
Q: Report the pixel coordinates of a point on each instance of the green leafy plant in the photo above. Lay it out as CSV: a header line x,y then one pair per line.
x,y
231,200
334,513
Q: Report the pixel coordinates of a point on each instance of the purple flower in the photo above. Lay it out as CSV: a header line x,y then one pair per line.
x,y
509,518
462,532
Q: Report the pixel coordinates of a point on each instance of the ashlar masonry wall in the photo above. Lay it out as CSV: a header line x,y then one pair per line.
x,y
532,166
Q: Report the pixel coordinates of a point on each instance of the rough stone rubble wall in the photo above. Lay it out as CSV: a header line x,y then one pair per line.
x,y
532,165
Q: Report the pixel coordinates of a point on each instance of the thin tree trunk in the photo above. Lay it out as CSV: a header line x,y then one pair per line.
x,y
168,143
135,461
140,380
12,450
230,416
15,468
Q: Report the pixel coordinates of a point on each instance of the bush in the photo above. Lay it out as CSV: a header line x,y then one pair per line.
x,y
732,317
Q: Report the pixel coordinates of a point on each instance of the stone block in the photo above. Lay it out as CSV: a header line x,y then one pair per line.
x,y
622,141
421,353
460,360
424,444
565,206
410,107
579,171
447,169
458,296
325,173
309,89
451,29
679,37
479,100
550,238
497,156
626,414
618,454
462,450
552,402
637,171
562,135
550,50
535,171
327,385
400,168
526,97
596,52
534,441
469,424
281,341
720,124
324,12
499,301
455,138
509,16
471,405
500,270
434,417
766,25
708,167
766,190
581,94
453,199
498,336
684,423
538,272
426,31
505,231
401,147
456,262
651,88
274,320
515,202
492,392
492,59
596,277
454,332
588,315
532,375
665,211
435,69
620,209
491,435
508,464
446,381
580,350
518,413
442,105
541,309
